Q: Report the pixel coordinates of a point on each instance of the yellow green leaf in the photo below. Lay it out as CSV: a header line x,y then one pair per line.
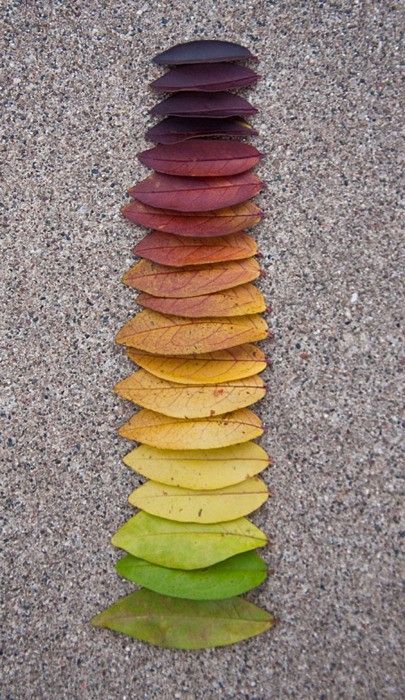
x,y
184,624
207,368
174,335
199,469
184,505
170,433
182,401
186,545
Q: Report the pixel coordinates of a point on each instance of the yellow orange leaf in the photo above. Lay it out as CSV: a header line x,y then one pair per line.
x,y
182,401
187,506
207,368
199,469
184,434
174,335
239,301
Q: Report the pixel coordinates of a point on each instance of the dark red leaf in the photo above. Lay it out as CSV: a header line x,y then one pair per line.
x,y
175,129
205,78
197,104
201,158
193,194
213,223
203,51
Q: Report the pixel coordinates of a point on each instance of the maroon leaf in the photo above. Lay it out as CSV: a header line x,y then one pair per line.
x,y
176,251
193,194
205,78
175,129
195,104
213,223
203,51
201,158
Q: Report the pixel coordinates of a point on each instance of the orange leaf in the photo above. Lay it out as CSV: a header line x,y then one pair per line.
x,y
191,194
220,222
239,301
208,368
169,249
169,282
173,335
182,401
184,434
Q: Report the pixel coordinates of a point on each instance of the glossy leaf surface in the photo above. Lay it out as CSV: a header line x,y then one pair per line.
x,y
191,506
176,129
195,194
205,78
204,51
199,469
174,335
198,104
238,301
170,282
206,368
201,158
186,545
183,401
220,222
184,624
169,433
222,580
177,251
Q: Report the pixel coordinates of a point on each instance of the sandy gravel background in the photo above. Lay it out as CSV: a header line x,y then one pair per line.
x,y
75,111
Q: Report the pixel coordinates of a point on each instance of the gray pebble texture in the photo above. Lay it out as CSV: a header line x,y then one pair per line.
x,y
75,111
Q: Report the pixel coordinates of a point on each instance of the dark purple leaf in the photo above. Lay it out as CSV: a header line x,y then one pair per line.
x,y
176,129
204,51
201,158
196,104
205,78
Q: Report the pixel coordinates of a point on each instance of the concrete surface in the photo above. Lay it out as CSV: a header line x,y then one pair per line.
x,y
75,111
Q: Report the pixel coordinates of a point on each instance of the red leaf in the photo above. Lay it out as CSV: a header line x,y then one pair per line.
x,y
176,129
168,249
213,223
201,158
196,104
203,51
205,78
194,194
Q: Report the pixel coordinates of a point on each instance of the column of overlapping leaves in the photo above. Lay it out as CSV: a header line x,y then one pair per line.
x,y
190,546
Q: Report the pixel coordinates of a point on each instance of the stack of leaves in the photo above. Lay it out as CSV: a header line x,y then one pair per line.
x,y
190,546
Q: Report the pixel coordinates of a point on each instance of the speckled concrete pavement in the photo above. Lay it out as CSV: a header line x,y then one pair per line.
x,y
76,108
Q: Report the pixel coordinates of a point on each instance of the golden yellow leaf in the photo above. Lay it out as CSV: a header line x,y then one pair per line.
x,y
173,335
182,401
183,434
207,368
190,506
199,469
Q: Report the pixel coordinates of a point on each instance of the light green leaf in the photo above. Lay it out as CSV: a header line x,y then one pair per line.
x,y
184,624
186,545
223,580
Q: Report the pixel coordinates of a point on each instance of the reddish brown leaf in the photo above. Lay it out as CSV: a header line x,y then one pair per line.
x,y
175,129
238,301
166,248
204,51
170,282
197,104
205,78
213,223
173,335
201,158
194,194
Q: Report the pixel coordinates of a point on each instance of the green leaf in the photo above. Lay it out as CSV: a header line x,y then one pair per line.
x,y
223,580
186,545
184,624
